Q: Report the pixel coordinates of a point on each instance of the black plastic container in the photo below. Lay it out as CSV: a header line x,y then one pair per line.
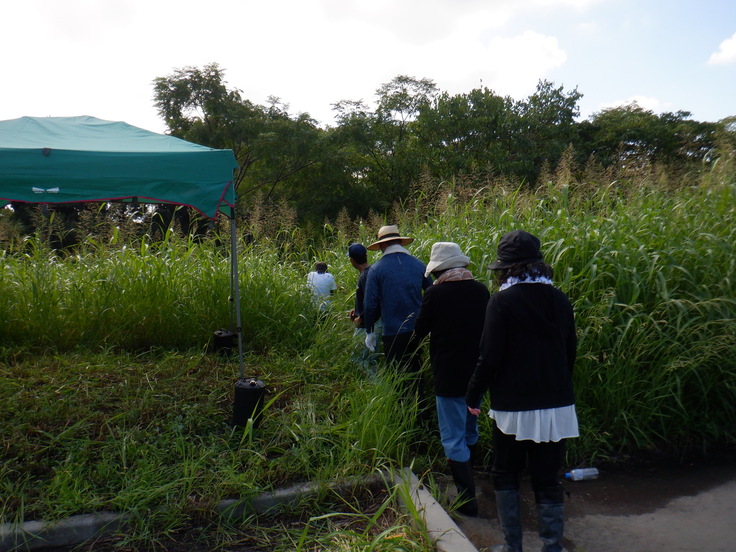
x,y
249,396
223,341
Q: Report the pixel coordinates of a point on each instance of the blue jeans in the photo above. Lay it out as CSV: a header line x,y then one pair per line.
x,y
458,427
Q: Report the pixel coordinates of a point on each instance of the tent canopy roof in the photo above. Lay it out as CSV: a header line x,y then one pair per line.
x,y
78,159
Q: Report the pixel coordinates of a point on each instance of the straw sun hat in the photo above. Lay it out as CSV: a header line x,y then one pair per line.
x,y
389,233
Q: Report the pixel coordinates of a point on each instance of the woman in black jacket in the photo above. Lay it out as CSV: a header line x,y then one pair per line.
x,y
527,353
452,313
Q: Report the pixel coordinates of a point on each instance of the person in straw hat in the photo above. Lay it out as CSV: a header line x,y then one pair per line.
x,y
452,314
527,353
393,294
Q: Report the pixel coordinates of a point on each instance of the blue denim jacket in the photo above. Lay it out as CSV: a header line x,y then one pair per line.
x,y
393,292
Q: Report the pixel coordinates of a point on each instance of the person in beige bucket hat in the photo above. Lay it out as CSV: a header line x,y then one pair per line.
x,y
452,314
446,255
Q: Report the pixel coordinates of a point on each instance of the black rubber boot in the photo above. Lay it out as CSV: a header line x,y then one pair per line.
x,y
476,458
508,504
473,454
550,518
462,474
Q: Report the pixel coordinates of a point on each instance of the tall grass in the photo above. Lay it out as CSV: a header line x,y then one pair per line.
x,y
172,294
650,274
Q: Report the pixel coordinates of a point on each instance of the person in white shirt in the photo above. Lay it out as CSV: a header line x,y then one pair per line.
x,y
322,284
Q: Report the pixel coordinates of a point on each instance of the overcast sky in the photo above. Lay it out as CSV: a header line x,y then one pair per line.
x,y
99,57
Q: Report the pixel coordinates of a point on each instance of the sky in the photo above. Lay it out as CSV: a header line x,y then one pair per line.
x,y
100,57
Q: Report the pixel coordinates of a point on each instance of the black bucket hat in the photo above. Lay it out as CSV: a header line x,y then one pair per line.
x,y
517,247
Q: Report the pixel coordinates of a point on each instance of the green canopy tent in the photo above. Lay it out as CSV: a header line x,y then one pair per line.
x,y
84,159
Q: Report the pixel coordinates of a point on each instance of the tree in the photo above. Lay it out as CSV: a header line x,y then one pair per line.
x,y
547,127
630,135
380,141
481,131
401,99
465,133
196,105
279,157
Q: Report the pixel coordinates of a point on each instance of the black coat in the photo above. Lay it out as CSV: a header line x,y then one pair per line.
x,y
360,294
527,351
453,313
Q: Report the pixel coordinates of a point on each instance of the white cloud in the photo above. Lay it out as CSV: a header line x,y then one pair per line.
x,y
515,65
577,4
726,52
103,65
100,58
353,60
418,21
590,28
472,57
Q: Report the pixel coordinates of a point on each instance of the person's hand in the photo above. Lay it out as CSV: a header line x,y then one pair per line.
x,y
357,321
474,411
352,315
370,341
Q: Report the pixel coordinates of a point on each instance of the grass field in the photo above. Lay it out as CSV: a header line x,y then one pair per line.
x,y
112,399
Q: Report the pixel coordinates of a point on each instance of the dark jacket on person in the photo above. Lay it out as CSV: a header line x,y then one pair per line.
x,y
360,294
452,313
527,350
393,293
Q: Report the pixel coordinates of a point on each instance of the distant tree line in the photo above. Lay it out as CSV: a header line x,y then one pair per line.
x,y
370,159
372,156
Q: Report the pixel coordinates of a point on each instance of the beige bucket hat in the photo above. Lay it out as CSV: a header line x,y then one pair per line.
x,y
446,255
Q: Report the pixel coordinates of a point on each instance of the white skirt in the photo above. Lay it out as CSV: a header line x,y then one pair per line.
x,y
540,426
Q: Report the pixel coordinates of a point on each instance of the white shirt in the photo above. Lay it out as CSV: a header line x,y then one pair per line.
x,y
322,286
540,426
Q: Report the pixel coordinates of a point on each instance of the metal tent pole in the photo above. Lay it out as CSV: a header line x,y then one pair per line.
x,y
249,392
235,289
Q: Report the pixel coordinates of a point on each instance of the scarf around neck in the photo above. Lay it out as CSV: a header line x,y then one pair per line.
x,y
524,279
454,275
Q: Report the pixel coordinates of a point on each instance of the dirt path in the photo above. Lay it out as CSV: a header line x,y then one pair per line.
x,y
682,509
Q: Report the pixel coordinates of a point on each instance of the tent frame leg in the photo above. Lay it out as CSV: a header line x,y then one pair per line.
x,y
235,291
